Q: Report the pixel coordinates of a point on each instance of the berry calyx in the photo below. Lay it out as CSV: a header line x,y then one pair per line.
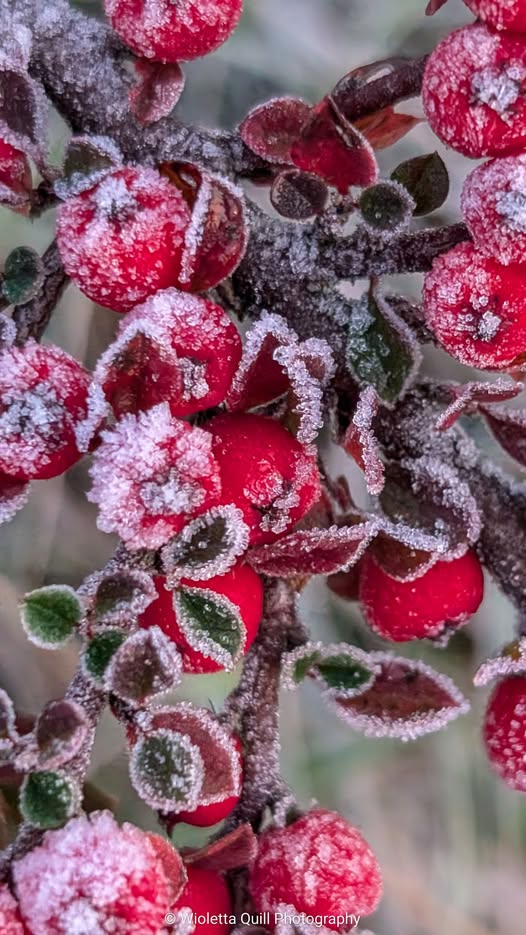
x,y
43,402
241,586
476,308
504,731
174,347
494,208
265,472
122,240
173,32
319,865
473,91
445,596
206,894
204,816
501,14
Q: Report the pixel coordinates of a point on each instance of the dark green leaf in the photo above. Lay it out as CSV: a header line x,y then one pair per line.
x,y
385,207
23,275
166,770
427,181
343,672
211,624
48,799
50,615
87,161
100,650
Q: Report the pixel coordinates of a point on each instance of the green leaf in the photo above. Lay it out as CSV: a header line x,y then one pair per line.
x,y
100,650
48,799
23,275
303,666
87,161
381,350
50,615
211,624
385,206
426,179
343,672
166,769
339,667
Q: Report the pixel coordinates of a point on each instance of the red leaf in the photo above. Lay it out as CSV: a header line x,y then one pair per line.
x,y
270,129
236,849
386,127
156,91
136,373
466,398
509,428
313,551
434,6
360,442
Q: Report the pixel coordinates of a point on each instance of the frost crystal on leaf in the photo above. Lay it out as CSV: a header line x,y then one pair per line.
x,y
211,624
467,397
60,732
360,441
117,595
208,546
146,664
166,770
341,669
511,660
87,161
314,551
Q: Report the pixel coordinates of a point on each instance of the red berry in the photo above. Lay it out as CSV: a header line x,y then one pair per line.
x,y
494,208
102,878
320,865
501,14
15,173
476,308
447,594
473,91
265,472
173,32
505,731
10,922
122,240
204,816
240,585
151,474
174,347
43,402
206,894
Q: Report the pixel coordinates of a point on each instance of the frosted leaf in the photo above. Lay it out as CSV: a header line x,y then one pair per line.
x,y
270,129
23,275
208,546
433,7
95,869
314,551
8,732
407,699
117,595
236,849
386,209
309,366
381,349
511,660
146,664
220,758
96,412
156,90
14,495
211,624
426,179
88,160
166,770
467,397
298,195
23,111
509,428
360,441
48,798
339,668
50,615
406,553
150,474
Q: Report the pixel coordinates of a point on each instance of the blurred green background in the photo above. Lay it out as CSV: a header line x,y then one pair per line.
x,y
449,836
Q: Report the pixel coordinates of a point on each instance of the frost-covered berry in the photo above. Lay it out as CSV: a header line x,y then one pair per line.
x,y
265,472
504,731
152,473
501,14
10,921
15,173
94,876
204,816
476,308
173,32
494,208
43,403
205,895
445,596
122,240
174,347
241,586
473,91
319,865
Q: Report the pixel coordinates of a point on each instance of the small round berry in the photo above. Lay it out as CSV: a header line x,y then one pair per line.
x,y
151,474
43,401
501,14
175,347
473,91
15,173
206,894
504,731
476,308
103,878
446,595
265,472
173,32
494,208
10,921
204,816
319,865
122,240
241,585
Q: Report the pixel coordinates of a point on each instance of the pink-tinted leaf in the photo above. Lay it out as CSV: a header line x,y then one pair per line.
x,y
385,127
406,553
146,664
22,111
313,552
208,546
511,660
361,443
509,428
60,733
14,495
136,372
158,87
270,129
329,146
467,397
117,596
298,195
235,849
406,700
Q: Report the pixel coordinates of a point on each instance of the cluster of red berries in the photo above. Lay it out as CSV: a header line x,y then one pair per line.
x,y
473,92
441,599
